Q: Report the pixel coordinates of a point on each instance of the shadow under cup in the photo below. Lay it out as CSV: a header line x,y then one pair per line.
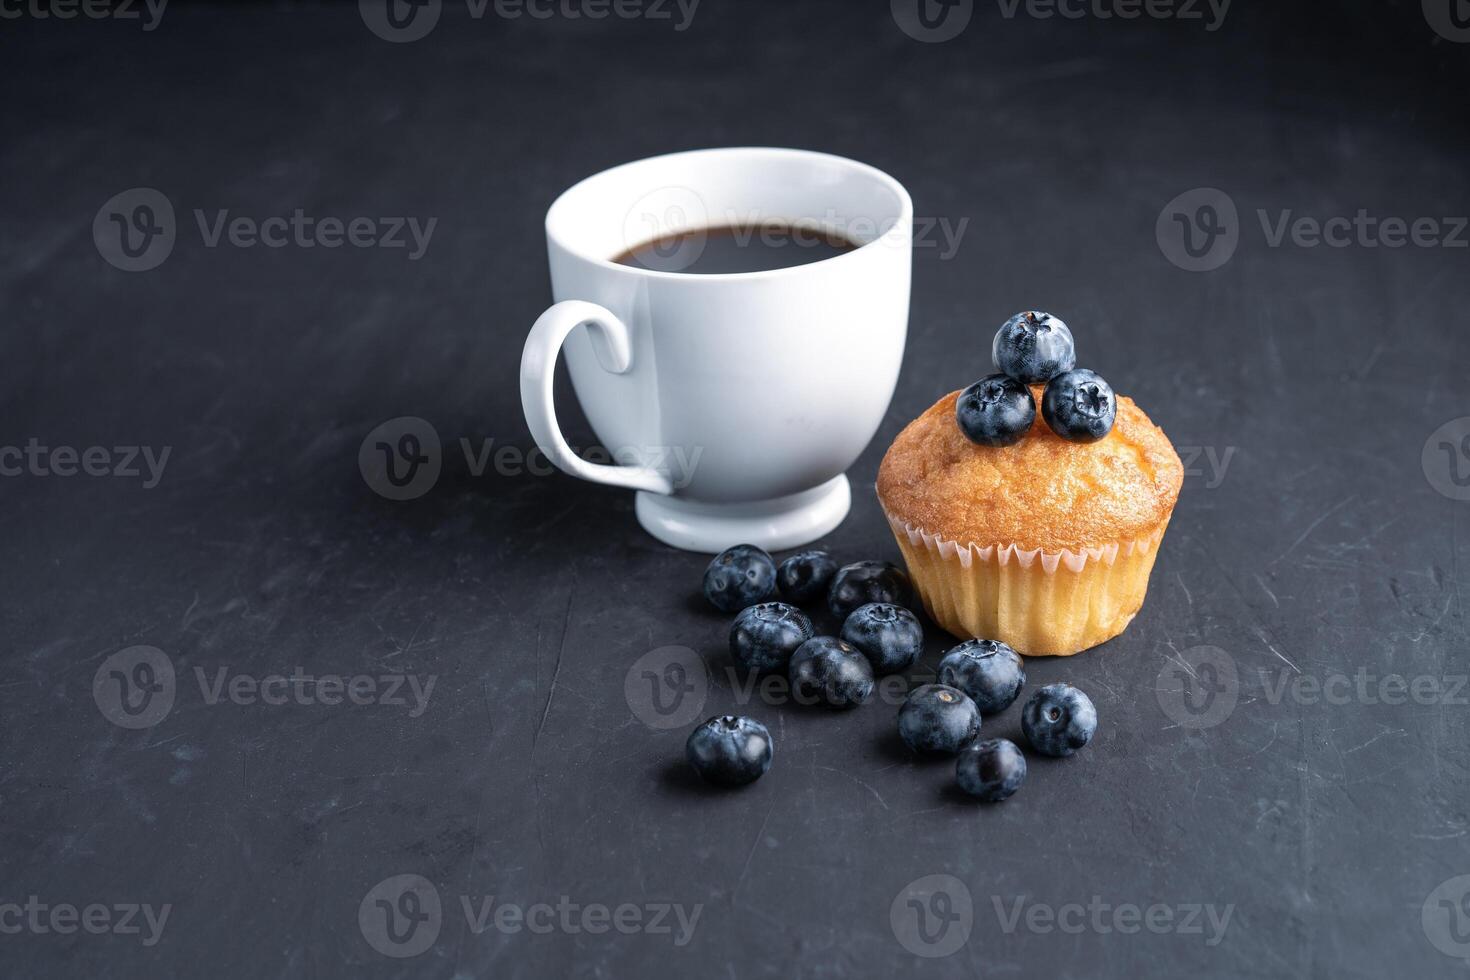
x,y
752,392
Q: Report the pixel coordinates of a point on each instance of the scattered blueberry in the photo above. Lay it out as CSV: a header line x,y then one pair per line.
x,y
729,750
1033,347
831,672
866,581
991,770
739,577
1059,720
1079,406
889,636
764,637
805,577
997,410
938,720
990,673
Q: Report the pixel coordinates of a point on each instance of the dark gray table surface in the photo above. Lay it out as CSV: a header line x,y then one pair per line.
x,y
1316,543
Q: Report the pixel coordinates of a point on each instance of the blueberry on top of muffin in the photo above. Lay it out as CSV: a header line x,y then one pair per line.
x,y
1035,348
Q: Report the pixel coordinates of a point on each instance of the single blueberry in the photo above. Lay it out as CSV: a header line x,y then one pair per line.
x,y
991,673
1079,406
863,582
730,750
738,577
1033,347
764,637
1058,720
995,411
805,577
990,770
825,670
937,719
889,636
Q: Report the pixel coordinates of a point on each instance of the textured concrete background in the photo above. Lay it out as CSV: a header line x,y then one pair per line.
x,y
1279,782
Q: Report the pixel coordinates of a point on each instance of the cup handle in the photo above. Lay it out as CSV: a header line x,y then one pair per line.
x,y
538,369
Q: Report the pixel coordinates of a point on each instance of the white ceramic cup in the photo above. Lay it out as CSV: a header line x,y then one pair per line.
x,y
733,403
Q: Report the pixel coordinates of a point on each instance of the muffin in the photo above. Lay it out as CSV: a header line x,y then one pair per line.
x,y
1045,544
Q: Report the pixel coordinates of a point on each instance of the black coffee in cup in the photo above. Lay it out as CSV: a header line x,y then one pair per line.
x,y
738,248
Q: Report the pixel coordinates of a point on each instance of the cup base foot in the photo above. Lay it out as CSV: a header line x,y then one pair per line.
x,y
775,525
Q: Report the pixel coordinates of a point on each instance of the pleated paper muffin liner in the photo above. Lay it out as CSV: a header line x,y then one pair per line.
x,y
1040,602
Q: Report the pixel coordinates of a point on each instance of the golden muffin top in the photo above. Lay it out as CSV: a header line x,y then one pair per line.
x,y
1043,492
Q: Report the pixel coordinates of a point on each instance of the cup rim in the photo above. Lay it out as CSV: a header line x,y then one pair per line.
x,y
900,193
